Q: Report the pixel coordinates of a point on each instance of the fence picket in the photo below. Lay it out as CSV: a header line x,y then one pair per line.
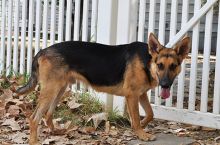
x,y
45,23
16,37
38,26
216,100
194,55
53,22
151,24
142,9
3,19
94,20
68,20
30,35
61,21
173,23
161,38
23,37
85,20
77,19
181,77
206,65
9,38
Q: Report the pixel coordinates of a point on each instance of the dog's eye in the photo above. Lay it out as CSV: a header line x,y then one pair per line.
x,y
160,66
173,66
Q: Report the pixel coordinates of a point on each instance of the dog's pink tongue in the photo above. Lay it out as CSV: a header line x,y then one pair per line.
x,y
165,93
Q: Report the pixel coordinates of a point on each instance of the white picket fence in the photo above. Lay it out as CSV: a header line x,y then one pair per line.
x,y
28,26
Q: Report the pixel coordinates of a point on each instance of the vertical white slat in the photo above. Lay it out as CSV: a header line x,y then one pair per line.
x,y
162,21
16,36
3,16
68,20
45,23
76,20
76,30
106,28
94,20
30,35
141,23
151,17
53,22
61,20
216,99
85,20
194,55
38,26
9,38
23,37
161,38
126,33
181,77
206,65
173,24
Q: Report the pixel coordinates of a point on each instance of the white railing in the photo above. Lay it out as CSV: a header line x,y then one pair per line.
x,y
116,22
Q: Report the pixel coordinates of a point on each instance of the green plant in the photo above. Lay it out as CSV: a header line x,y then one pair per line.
x,y
91,105
115,118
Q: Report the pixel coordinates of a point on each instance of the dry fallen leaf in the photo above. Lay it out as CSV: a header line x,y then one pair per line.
x,y
98,118
73,105
12,124
19,138
13,110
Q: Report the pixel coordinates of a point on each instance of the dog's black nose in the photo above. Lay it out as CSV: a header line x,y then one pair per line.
x,y
165,83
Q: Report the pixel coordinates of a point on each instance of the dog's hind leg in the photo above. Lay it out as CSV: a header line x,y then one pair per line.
x,y
143,99
55,101
48,92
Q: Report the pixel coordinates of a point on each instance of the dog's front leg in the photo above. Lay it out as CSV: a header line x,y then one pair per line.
x,y
133,110
143,99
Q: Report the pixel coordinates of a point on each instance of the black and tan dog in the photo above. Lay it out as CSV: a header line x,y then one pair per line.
x,y
128,70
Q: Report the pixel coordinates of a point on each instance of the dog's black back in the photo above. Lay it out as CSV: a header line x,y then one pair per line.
x,y
100,64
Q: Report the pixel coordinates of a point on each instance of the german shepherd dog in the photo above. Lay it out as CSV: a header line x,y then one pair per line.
x,y
128,70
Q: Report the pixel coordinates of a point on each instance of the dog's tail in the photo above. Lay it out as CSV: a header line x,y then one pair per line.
x,y
33,80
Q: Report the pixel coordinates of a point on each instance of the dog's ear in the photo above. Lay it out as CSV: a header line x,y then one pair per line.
x,y
154,44
182,48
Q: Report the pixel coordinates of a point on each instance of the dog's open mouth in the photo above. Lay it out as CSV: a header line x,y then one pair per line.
x,y
165,93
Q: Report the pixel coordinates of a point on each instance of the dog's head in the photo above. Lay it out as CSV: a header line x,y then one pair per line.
x,y
166,62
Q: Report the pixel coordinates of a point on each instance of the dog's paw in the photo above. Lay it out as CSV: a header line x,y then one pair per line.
x,y
144,136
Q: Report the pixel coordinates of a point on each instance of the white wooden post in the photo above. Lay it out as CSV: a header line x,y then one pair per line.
x,y
94,20
16,34
106,28
77,20
216,100
181,77
161,38
53,22
3,16
173,23
141,23
126,33
61,20
68,20
194,55
9,38
206,65
30,35
85,20
23,37
45,23
151,24
38,26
